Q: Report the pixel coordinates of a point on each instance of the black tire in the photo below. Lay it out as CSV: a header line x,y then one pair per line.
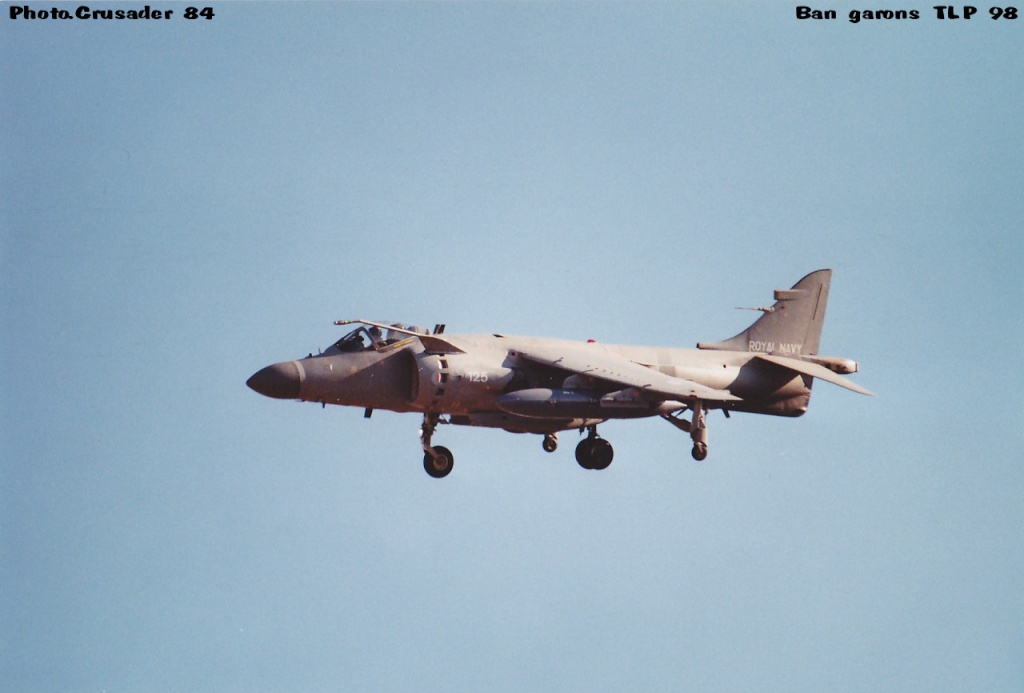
x,y
594,453
583,453
549,444
601,454
699,452
441,465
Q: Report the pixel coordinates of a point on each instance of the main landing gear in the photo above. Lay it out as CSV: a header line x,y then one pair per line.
x,y
437,461
594,452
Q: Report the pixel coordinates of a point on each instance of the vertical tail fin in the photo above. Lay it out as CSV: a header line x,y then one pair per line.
x,y
791,327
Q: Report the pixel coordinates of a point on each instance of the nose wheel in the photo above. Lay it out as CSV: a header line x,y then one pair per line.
x,y
438,461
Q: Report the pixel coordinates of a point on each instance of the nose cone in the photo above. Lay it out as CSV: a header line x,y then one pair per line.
x,y
281,381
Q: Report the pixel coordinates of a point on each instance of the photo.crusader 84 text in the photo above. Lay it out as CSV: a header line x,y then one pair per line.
x,y
86,12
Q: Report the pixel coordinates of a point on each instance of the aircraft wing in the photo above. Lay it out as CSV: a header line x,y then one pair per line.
x,y
814,370
618,370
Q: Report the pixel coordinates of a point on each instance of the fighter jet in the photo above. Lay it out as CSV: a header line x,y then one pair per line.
x,y
544,386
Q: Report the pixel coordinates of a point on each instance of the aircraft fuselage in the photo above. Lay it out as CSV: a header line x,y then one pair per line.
x,y
410,379
542,385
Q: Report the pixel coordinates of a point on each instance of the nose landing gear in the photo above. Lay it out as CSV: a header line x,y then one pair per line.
x,y
437,461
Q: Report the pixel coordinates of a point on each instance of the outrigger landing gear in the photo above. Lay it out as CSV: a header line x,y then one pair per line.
x,y
697,428
594,452
437,461
550,443
699,433
699,451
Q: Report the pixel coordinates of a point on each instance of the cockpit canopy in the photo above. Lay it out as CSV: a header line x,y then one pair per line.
x,y
366,338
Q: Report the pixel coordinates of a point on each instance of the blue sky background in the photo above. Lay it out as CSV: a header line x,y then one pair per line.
x,y
185,202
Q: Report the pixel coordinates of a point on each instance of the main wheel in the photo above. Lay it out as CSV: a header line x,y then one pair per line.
x,y
601,453
439,465
594,453
700,451
583,453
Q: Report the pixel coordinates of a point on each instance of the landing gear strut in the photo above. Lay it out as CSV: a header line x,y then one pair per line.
x,y
594,452
697,428
699,433
437,461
